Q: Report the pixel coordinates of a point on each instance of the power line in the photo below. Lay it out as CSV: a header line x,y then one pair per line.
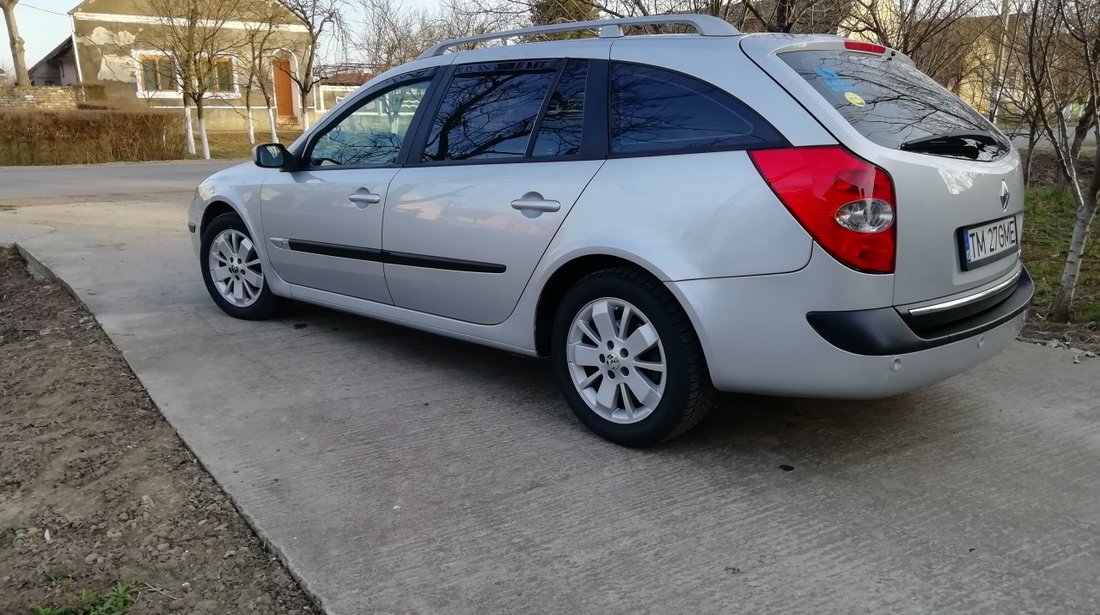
x,y
31,6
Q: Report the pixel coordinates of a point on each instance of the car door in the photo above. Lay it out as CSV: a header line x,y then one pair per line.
x,y
504,158
323,220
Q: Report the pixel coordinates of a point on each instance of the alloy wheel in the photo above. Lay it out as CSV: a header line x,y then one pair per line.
x,y
616,360
235,268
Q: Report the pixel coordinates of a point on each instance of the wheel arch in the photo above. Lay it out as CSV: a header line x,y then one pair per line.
x,y
214,209
564,277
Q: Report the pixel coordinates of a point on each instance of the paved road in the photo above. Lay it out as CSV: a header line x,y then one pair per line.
x,y
105,179
403,473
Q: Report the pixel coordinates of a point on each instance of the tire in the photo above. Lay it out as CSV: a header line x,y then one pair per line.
x,y
633,417
256,301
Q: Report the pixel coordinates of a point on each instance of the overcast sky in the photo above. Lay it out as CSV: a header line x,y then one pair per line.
x,y
45,23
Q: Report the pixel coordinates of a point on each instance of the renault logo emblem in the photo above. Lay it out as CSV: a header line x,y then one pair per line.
x,y
1006,196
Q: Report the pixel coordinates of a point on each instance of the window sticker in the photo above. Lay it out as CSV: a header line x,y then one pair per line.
x,y
834,81
855,99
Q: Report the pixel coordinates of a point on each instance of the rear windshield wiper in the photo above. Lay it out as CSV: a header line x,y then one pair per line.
x,y
964,143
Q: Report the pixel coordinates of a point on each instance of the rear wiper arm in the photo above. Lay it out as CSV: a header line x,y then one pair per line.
x,y
953,140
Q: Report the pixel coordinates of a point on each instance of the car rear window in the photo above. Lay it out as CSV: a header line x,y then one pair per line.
x,y
893,104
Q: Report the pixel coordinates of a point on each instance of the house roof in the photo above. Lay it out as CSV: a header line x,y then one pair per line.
x,y
137,8
64,47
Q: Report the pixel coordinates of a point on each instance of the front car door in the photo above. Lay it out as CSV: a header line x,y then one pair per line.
x,y
323,221
504,157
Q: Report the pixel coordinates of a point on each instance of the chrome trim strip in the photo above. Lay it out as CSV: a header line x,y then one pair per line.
x,y
961,301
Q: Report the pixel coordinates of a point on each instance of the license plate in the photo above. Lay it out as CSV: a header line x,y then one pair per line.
x,y
988,242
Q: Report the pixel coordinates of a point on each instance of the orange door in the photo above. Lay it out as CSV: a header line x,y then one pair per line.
x,y
284,88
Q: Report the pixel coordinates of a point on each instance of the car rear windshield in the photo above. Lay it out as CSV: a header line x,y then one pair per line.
x,y
895,105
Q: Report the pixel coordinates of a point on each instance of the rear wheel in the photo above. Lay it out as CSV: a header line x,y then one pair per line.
x,y
233,272
628,360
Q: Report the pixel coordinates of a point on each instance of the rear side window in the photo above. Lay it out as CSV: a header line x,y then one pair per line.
x,y
895,105
489,111
656,111
562,124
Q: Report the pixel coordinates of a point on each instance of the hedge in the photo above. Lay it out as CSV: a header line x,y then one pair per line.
x,y
34,137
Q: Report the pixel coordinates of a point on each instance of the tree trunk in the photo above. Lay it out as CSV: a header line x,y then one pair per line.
x,y
305,112
251,123
1084,123
1086,211
272,122
188,130
202,131
18,53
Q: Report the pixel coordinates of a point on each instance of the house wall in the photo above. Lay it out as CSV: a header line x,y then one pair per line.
x,y
112,35
48,98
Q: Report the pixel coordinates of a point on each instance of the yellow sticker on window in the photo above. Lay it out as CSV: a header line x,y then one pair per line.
x,y
855,99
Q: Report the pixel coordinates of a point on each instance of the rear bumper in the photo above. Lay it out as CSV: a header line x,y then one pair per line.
x,y
885,331
757,337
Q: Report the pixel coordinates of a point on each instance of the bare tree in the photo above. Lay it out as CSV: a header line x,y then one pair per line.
x,y
255,58
393,34
322,18
18,52
192,34
939,35
1063,46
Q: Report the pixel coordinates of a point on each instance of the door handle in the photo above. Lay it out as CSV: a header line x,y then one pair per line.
x,y
533,201
363,197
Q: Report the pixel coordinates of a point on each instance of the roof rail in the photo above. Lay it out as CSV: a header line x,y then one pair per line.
x,y
705,25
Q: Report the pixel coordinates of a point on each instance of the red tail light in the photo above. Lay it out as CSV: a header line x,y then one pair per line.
x,y
844,202
861,46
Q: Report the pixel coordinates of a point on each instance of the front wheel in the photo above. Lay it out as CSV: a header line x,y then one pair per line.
x,y
628,360
233,272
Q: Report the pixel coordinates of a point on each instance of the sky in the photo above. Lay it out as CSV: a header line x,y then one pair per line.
x,y
42,24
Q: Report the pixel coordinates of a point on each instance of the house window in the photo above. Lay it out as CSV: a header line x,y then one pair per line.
x,y
220,77
157,74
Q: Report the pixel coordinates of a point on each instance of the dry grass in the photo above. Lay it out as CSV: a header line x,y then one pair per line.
x,y
234,145
88,136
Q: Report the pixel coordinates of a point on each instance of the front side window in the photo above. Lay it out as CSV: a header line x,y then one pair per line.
x,y
157,74
489,111
656,111
373,133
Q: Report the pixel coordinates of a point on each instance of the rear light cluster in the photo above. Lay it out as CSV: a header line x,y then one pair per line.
x,y
844,202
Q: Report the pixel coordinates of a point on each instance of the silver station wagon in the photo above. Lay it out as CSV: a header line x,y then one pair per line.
x,y
662,216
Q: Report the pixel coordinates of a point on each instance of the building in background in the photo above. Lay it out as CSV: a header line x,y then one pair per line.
x,y
114,46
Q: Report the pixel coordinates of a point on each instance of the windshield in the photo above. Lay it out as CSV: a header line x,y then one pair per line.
x,y
897,106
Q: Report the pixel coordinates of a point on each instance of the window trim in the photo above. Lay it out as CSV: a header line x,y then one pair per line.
x,y
431,74
593,139
139,77
674,151
140,56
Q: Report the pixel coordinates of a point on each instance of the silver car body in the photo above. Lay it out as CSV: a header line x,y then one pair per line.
x,y
705,224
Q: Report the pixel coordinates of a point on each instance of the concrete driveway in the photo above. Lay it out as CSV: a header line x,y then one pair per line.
x,y
399,472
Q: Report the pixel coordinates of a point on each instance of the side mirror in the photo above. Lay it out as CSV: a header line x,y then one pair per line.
x,y
272,156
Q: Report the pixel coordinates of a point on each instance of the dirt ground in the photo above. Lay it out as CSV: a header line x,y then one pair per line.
x,y
96,488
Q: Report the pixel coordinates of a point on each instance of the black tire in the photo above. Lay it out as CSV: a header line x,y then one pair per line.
x,y
267,303
688,392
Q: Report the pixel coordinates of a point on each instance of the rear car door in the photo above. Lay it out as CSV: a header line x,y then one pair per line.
x,y
503,160
958,182
323,221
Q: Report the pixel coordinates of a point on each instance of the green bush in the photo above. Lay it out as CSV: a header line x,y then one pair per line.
x,y
34,137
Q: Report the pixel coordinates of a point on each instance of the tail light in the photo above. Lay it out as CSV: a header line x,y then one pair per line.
x,y
844,202
862,46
